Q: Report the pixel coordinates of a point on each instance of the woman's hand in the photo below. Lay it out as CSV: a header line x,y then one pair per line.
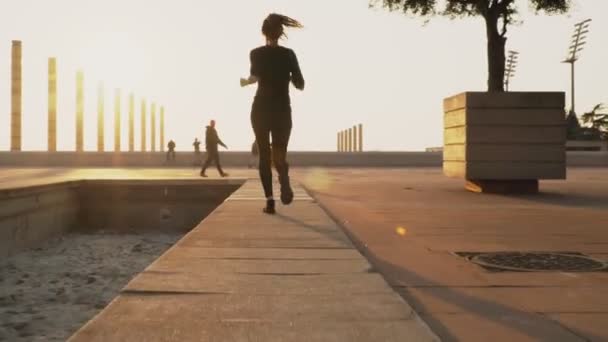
x,y
247,81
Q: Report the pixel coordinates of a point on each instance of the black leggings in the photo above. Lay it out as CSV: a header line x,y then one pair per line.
x,y
276,122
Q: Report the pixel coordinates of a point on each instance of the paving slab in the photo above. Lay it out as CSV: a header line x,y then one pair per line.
x,y
151,281
265,253
193,329
261,308
241,275
257,266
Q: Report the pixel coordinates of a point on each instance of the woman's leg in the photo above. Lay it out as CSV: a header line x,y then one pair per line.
x,y
262,134
281,132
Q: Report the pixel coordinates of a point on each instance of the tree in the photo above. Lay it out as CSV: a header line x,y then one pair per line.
x,y
597,118
498,14
573,127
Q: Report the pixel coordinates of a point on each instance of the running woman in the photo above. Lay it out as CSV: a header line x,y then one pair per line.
x,y
273,67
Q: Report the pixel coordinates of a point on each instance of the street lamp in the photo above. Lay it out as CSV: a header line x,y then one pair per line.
x,y
578,40
510,67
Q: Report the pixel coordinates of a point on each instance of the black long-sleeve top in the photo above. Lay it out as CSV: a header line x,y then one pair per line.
x,y
275,67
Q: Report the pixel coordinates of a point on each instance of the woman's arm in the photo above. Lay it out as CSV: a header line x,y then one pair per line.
x,y
253,71
296,74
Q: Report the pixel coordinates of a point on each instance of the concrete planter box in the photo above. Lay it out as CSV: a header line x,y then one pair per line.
x,y
512,136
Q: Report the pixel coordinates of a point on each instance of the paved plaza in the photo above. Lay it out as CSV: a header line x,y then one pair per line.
x,y
332,265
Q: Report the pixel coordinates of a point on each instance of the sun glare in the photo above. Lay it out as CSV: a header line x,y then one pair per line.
x,y
114,59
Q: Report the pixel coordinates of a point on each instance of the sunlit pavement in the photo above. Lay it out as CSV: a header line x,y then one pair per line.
x,y
242,275
408,223
19,177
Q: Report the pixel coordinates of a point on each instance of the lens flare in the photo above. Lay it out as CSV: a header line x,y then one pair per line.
x,y
318,179
401,231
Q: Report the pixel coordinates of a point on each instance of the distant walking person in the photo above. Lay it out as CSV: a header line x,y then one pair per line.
x,y
171,150
253,160
213,155
273,67
197,151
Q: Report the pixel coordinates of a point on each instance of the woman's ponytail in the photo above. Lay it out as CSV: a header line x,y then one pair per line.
x,y
273,25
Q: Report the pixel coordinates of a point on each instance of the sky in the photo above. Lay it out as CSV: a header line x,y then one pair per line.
x,y
387,71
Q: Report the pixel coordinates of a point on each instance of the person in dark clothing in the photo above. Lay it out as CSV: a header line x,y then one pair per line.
x,y
273,67
171,150
213,155
197,151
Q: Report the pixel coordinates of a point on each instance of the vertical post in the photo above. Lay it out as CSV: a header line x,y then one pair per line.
x,y
79,111
143,125
338,142
360,137
117,120
153,127
349,141
16,95
344,144
355,145
572,88
100,118
578,41
131,128
52,106
162,129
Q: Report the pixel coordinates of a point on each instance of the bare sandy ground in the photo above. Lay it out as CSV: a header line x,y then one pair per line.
x,y
47,293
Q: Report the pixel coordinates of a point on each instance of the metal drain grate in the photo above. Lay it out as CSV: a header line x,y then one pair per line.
x,y
535,261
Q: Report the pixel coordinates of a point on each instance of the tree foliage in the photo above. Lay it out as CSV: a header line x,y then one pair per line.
x,y
498,14
459,8
597,119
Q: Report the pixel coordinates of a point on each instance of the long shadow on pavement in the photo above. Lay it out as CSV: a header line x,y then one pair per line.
x,y
567,199
315,228
535,326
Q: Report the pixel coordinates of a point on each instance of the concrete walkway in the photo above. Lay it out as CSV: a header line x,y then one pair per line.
x,y
244,276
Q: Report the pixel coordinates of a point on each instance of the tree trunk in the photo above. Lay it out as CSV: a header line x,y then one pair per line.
x,y
496,54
